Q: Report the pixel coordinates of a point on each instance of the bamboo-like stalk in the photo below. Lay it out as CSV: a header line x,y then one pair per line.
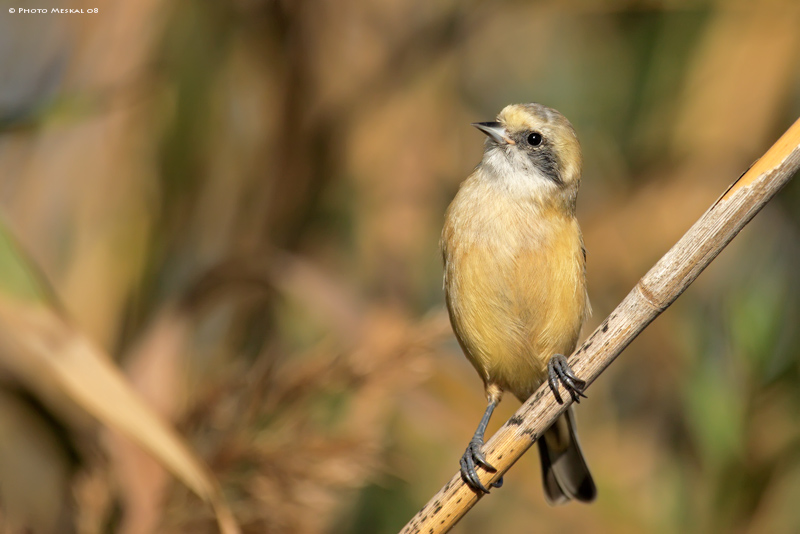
x,y
652,295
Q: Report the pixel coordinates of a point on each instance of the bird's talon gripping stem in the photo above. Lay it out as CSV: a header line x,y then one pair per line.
x,y
474,456
558,370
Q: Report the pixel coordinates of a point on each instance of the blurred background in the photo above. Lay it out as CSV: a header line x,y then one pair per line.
x,y
240,204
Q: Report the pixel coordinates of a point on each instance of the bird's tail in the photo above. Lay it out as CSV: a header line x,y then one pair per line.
x,y
564,471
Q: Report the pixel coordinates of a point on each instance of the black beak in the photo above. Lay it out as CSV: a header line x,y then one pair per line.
x,y
495,130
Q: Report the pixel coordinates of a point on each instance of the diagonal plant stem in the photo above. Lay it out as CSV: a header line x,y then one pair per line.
x,y
652,295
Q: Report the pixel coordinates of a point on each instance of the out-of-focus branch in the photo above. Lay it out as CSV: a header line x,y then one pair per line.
x,y
652,295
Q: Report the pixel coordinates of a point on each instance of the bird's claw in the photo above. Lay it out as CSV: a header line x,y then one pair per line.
x,y
558,370
473,457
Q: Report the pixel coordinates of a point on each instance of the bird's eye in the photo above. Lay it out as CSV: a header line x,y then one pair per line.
x,y
534,139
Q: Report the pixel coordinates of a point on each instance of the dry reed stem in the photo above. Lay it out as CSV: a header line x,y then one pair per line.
x,y
652,295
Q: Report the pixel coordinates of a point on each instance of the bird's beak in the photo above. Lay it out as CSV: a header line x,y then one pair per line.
x,y
495,130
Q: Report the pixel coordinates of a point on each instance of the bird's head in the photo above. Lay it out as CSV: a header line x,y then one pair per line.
x,y
535,147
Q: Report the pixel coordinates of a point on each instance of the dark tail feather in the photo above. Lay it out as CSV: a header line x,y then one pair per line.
x,y
564,471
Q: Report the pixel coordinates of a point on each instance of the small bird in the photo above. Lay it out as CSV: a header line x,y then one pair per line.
x,y
515,281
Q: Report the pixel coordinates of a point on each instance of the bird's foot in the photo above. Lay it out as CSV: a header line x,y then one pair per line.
x,y
472,458
558,370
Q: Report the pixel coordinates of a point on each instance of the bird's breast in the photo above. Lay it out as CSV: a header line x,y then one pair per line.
x,y
515,286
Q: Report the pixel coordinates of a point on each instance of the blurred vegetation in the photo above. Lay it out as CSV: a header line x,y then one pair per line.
x,y
241,201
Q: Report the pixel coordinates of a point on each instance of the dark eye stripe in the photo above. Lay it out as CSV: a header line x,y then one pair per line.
x,y
547,162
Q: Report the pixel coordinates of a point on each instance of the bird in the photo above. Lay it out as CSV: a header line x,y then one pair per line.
x,y
515,282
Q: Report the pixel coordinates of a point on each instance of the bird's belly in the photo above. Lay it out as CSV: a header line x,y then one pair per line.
x,y
512,310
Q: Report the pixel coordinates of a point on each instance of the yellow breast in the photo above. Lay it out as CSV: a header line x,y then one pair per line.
x,y
515,285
